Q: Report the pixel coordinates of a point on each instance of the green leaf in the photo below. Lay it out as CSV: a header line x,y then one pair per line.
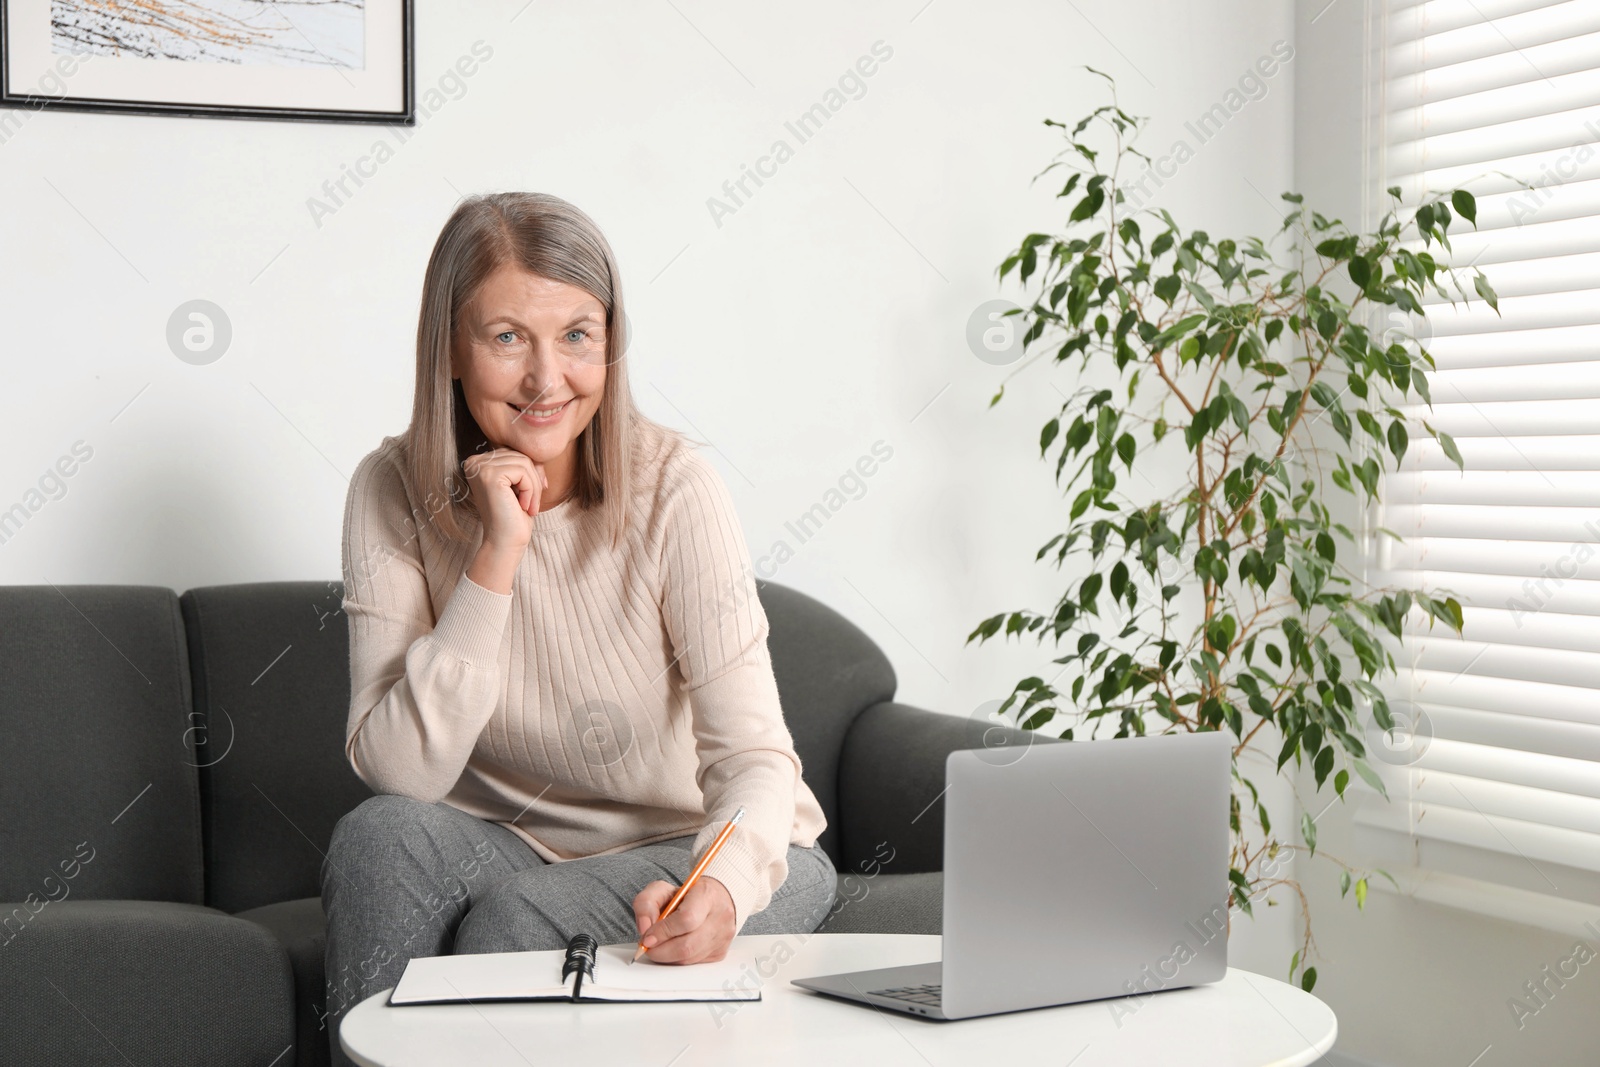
x,y
1119,580
1126,448
1485,290
1360,272
1452,608
1465,205
1398,439
1344,883
1051,428
1308,979
1369,776
1451,452
1178,329
1289,744
1323,765
1309,830
1242,898
1088,205
1361,894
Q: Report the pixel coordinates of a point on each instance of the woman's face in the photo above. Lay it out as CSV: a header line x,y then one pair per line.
x,y
531,356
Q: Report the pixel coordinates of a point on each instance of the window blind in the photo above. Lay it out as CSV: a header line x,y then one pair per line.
x,y
1496,766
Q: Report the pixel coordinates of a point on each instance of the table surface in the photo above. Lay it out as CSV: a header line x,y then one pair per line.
x,y
1245,1020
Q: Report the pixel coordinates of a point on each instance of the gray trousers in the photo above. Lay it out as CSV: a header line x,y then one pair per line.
x,y
403,879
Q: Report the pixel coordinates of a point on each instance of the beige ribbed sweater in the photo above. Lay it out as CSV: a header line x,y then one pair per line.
x,y
617,696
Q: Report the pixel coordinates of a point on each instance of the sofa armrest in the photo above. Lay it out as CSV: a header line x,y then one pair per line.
x,y
145,982
891,783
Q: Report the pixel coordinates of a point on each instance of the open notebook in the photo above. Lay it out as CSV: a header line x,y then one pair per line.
x,y
582,971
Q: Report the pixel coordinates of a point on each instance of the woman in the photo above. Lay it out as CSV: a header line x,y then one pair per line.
x,y
560,682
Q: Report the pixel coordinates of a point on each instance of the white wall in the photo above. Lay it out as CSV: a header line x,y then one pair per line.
x,y
1414,983
827,313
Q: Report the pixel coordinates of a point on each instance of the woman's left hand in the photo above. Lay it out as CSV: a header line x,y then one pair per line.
x,y
700,928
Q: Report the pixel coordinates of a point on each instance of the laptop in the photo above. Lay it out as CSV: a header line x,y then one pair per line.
x,y
1073,871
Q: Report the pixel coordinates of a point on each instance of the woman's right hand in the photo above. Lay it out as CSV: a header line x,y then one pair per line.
x,y
506,488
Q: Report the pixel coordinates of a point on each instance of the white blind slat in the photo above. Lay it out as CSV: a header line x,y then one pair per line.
x,y
1508,103
1453,656
1534,735
1414,19
1506,696
1512,351
1526,623
1507,67
1482,385
1544,133
1440,790
1579,561
1489,38
1539,592
1497,522
1534,841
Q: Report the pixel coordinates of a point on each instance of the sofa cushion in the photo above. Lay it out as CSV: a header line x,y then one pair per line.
x,y
827,670
100,760
887,904
891,782
301,929
271,696
117,982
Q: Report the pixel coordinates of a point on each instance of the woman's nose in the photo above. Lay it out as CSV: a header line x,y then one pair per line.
x,y
542,367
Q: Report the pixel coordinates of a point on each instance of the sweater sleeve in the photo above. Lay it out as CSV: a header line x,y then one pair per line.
x,y
718,631
421,690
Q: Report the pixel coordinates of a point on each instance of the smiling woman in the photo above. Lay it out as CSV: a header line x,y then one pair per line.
x,y
546,669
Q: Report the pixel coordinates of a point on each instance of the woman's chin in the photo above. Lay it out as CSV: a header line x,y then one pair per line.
x,y
539,447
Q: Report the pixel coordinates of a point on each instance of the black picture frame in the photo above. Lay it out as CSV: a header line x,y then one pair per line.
x,y
406,116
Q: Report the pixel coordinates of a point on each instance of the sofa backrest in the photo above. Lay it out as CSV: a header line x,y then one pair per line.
x,y
271,694
97,794
271,676
828,672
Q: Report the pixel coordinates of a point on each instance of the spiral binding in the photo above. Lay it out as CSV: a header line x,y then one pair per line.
x,y
581,952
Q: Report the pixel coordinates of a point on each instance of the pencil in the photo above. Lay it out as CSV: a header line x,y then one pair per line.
x,y
694,876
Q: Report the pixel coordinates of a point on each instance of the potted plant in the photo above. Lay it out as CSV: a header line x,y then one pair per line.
x,y
1229,603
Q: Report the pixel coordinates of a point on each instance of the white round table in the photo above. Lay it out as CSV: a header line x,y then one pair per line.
x,y
1245,1020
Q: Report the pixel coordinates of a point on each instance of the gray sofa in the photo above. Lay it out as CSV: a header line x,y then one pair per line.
x,y
174,767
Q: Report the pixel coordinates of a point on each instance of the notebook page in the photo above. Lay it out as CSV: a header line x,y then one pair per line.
x,y
615,980
482,976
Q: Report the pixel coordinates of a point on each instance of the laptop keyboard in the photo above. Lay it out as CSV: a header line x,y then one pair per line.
x,y
916,994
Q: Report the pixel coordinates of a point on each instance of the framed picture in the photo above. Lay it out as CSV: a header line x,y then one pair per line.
x,y
309,60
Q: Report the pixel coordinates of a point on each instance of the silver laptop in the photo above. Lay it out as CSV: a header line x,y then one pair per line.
x,y
1072,871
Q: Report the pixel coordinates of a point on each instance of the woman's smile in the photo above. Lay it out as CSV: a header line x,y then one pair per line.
x,y
542,416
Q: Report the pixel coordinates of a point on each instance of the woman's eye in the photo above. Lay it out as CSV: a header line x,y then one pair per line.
x,y
502,336
576,336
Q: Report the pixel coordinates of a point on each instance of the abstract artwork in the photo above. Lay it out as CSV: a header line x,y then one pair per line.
x,y
311,60
318,33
